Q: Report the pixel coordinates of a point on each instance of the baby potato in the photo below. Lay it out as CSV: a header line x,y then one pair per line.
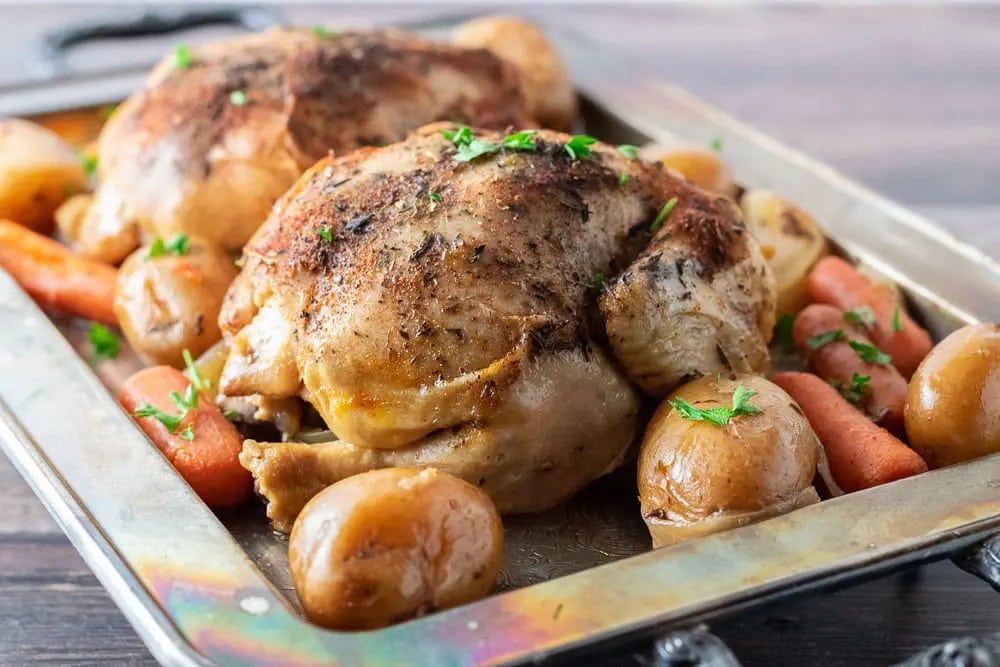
x,y
391,544
703,168
697,477
952,409
170,302
38,172
548,90
791,242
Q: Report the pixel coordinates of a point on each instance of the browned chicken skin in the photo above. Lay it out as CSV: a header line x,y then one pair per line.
x,y
445,313
207,148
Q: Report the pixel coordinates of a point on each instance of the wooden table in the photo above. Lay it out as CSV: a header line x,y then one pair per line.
x,y
906,100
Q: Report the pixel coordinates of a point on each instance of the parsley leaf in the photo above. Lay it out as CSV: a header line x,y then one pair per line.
x,y
188,432
870,354
462,135
520,141
897,324
322,31
89,164
326,234
598,285
578,146
716,144
108,110
783,332
187,402
856,390
179,245
819,340
662,215
862,316
231,414
435,197
172,422
719,415
104,343
475,148
238,98
623,179
198,381
182,57
629,151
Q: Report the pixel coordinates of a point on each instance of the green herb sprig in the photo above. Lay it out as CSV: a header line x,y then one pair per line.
x,y
183,58
862,316
897,323
720,415
578,146
662,215
177,246
104,343
629,151
870,354
856,390
825,338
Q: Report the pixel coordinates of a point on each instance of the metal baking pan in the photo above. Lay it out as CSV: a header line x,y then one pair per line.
x,y
206,589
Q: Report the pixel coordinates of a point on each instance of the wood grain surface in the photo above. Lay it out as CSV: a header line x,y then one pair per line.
x,y
904,99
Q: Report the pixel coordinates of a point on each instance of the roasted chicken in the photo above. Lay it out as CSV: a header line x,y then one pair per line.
x,y
220,132
491,318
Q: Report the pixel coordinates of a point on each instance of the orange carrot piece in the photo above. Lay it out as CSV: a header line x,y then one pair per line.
x,y
210,461
837,361
861,454
835,282
56,277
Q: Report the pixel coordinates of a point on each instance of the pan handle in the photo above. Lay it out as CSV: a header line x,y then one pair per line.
x,y
54,45
982,560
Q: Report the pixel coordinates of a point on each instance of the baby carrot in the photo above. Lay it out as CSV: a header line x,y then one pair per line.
x,y
836,282
56,277
861,454
198,440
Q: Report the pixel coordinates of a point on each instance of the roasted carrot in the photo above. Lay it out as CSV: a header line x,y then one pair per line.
x,y
55,276
861,454
824,336
836,282
202,445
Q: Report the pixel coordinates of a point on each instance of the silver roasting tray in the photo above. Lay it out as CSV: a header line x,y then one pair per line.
x,y
202,588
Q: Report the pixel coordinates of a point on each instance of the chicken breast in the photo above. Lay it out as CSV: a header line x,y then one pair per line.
x,y
216,137
443,312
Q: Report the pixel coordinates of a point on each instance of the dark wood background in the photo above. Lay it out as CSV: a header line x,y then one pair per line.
x,y
905,99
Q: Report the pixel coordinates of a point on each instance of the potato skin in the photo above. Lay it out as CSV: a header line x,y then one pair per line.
x,y
791,242
953,404
390,544
168,303
548,90
696,478
38,172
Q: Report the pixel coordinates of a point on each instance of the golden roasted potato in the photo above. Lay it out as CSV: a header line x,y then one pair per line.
x,y
38,172
953,405
791,242
548,90
387,545
697,477
171,301
703,168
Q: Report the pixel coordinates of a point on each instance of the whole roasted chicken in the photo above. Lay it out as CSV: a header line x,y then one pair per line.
x,y
490,304
221,131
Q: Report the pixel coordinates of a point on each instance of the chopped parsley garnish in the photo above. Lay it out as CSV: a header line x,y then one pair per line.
x,y
182,57
475,148
856,390
520,141
716,144
597,287
434,196
862,316
870,354
89,164
188,432
238,98
187,402
107,111
231,414
462,135
322,31
172,422
579,145
719,415
623,179
825,338
177,246
102,341
662,215
783,332
198,381
326,234
629,151
897,324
